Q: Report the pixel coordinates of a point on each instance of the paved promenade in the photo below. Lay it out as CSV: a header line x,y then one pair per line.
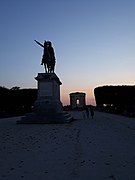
x,y
102,148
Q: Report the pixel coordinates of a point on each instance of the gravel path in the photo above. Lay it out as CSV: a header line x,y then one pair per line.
x,y
86,149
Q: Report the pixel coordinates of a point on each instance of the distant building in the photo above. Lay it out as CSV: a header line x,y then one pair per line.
x,y
77,100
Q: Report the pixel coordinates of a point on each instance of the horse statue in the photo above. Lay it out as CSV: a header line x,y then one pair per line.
x,y
48,59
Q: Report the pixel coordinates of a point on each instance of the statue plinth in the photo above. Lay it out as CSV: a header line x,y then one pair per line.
x,y
48,107
48,86
48,99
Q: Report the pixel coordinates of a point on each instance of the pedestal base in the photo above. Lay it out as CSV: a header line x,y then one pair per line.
x,y
47,107
49,118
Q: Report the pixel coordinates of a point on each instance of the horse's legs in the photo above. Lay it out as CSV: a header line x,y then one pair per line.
x,y
49,68
45,68
52,69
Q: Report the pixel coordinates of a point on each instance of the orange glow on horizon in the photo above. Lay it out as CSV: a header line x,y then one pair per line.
x,y
90,99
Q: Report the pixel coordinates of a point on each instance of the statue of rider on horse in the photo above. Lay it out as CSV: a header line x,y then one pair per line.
x,y
48,59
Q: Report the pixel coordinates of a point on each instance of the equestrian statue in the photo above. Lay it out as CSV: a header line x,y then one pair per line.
x,y
48,59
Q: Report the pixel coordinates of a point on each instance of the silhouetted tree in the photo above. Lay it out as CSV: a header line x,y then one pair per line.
x,y
15,88
118,99
16,101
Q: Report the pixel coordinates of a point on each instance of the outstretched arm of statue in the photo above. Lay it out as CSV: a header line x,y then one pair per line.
x,y
39,43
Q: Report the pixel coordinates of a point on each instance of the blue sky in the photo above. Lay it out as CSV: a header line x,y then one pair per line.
x,y
94,43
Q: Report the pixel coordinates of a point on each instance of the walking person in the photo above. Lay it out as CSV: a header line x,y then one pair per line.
x,y
92,112
87,112
83,115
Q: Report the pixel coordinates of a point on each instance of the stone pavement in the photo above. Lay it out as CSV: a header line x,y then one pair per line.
x,y
86,149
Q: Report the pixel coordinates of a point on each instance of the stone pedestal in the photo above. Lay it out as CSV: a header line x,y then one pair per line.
x,y
48,107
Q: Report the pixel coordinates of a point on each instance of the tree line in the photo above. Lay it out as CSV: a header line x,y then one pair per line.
x,y
116,99
16,101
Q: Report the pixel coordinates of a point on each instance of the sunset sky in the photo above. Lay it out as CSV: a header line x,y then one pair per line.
x,y
94,43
